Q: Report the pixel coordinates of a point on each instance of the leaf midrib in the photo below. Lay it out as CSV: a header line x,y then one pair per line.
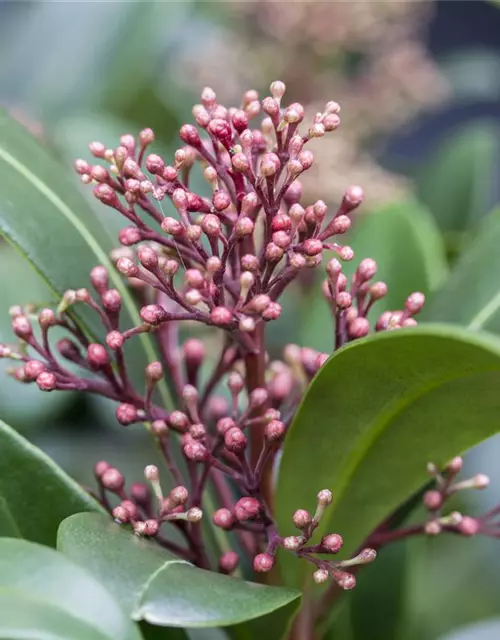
x,y
55,200
379,426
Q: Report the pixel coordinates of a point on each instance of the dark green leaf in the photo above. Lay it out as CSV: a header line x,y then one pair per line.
x,y
50,584
50,223
471,295
153,585
407,247
8,526
378,411
36,492
457,183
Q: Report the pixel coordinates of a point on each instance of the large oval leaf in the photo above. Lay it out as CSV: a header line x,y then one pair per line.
x,y
376,413
36,493
43,587
155,586
410,255
50,223
471,295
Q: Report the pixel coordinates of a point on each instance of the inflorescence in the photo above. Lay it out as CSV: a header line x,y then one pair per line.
x,y
221,261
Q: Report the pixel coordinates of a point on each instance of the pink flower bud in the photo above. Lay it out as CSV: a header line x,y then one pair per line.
x,y
112,301
127,267
100,467
114,340
228,562
235,440
302,519
99,278
432,528
269,165
272,312
211,225
320,576
221,316
21,326
224,424
313,247
433,500
325,498
346,581
194,514
172,226
120,514
281,239
153,314
331,122
197,431
178,420
46,381
99,173
468,526
97,356
223,518
240,162
126,414
112,480
150,527
332,542
247,509
353,197
221,130
189,134
106,194
146,137
154,371
194,353
151,473
480,481
129,236
271,107
196,452
306,159
294,113
263,562
455,465
148,257
258,397
244,226
249,203
221,200
275,430
97,149
378,290
82,167
414,303
273,252
32,369
358,328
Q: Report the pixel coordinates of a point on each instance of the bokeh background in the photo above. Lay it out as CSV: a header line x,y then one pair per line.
x,y
419,87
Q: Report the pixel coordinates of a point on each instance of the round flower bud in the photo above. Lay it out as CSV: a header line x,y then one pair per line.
x,y
120,514
196,452
415,302
277,89
126,413
153,314
46,381
239,120
302,519
129,236
100,467
354,196
140,493
320,576
112,480
378,290
358,328
468,526
269,165
197,431
223,518
189,134
313,247
107,195
178,420
97,356
21,326
146,137
275,430
127,267
455,465
221,316
97,149
159,428
292,543
32,369
247,509
150,527
211,225
228,562
111,300
263,562
433,500
343,300
272,312
221,200
325,498
151,473
240,162
224,424
235,440
172,226
332,543
481,481
114,340
346,581
179,495
258,397
195,514
154,371
147,257
432,528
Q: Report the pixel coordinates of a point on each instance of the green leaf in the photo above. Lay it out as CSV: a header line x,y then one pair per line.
x,y
40,580
153,585
471,295
376,413
35,491
456,184
409,252
50,223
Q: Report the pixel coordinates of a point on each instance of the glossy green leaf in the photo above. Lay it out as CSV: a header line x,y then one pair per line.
x,y
457,182
35,491
407,246
377,412
53,588
153,585
471,295
50,223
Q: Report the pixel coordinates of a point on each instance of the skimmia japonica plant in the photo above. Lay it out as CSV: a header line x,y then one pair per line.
x,y
222,263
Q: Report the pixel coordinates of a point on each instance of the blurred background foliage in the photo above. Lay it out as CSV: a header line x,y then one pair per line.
x,y
419,87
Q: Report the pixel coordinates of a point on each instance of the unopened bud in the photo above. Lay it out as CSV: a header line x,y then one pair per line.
x,y
112,480
46,381
97,356
153,314
320,576
325,498
247,509
195,514
221,316
415,302
263,562
433,500
432,528
275,430
235,440
468,526
223,518
126,414
302,519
